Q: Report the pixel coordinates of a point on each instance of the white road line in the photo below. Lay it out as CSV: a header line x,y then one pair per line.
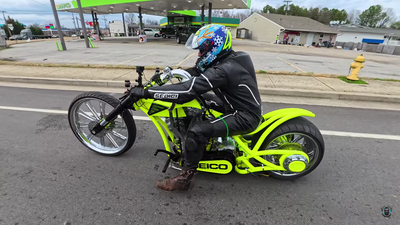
x,y
360,135
323,132
57,111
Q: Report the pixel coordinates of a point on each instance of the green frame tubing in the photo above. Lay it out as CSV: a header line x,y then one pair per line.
x,y
243,166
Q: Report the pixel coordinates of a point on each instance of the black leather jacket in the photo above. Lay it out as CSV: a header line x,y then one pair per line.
x,y
232,78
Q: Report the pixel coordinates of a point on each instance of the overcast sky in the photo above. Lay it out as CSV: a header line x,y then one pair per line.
x,y
39,11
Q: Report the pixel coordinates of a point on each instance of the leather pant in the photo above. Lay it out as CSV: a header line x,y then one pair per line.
x,y
239,122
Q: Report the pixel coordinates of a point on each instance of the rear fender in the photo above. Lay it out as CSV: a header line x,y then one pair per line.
x,y
275,118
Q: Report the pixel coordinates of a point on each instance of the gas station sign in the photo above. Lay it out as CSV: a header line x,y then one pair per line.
x,y
179,20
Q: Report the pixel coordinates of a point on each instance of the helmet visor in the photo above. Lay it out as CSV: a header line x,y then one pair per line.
x,y
191,43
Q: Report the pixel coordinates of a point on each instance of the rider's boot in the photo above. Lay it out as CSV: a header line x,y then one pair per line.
x,y
182,182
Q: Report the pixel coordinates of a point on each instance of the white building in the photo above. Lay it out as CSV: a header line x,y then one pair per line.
x,y
117,28
296,30
360,34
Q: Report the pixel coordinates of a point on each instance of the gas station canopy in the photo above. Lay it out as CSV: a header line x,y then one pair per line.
x,y
151,7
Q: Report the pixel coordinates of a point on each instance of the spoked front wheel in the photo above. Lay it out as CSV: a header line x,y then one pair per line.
x,y
87,109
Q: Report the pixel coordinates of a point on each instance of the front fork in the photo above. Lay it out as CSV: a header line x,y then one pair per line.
x,y
124,104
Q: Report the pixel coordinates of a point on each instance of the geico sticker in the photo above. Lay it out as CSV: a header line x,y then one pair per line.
x,y
166,96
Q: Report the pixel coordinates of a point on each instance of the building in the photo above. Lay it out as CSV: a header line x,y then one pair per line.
x,y
360,34
300,30
117,28
230,23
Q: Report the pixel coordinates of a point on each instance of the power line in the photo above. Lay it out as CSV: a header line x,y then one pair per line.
x,y
39,2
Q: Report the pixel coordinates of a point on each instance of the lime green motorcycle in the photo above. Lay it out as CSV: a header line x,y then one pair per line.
x,y
285,145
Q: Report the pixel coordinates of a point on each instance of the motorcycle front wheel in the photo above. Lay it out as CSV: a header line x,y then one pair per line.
x,y
87,109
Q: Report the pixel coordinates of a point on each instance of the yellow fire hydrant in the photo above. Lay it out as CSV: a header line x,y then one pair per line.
x,y
357,65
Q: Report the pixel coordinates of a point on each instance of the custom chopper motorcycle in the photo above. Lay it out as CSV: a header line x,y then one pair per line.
x,y
285,145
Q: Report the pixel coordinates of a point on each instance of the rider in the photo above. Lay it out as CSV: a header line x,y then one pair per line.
x,y
231,75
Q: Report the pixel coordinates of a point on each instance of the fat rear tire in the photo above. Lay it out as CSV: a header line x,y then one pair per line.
x,y
297,125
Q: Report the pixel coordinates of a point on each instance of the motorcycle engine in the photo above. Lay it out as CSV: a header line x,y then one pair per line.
x,y
223,144
182,124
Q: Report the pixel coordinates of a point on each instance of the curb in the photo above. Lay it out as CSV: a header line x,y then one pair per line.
x,y
263,91
330,95
63,81
149,67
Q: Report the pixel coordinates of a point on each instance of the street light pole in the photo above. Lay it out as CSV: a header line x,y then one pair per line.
x,y
60,34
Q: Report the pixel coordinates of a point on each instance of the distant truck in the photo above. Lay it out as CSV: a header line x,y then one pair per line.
x,y
168,32
27,34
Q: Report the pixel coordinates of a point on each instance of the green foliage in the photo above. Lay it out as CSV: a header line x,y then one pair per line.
x,y
313,13
36,30
375,16
269,9
395,25
323,15
262,71
343,78
17,26
339,15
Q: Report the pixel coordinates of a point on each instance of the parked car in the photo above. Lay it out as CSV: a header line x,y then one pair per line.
x,y
16,37
152,32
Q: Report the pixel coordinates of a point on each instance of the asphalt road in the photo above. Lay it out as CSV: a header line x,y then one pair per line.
x,y
48,177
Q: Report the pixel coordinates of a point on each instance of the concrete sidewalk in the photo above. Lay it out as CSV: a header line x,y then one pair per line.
x,y
282,85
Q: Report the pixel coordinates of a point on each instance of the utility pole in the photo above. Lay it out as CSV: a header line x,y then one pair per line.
x,y
77,23
287,5
105,23
73,19
5,22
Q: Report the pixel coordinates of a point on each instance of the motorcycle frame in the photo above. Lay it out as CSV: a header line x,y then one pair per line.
x,y
243,166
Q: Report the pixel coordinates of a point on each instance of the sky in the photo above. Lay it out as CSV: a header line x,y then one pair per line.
x,y
39,11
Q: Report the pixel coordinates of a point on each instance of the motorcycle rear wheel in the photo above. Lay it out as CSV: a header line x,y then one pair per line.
x,y
89,108
295,134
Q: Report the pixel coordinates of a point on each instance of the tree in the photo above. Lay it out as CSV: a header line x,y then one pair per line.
x,y
36,30
281,10
151,22
325,16
395,25
390,18
269,9
130,18
353,16
337,15
376,16
296,10
314,13
17,25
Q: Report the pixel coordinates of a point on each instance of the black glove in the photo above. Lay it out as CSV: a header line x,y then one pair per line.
x,y
137,93
156,78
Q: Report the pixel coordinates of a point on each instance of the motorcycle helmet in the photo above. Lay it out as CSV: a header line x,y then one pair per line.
x,y
212,41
